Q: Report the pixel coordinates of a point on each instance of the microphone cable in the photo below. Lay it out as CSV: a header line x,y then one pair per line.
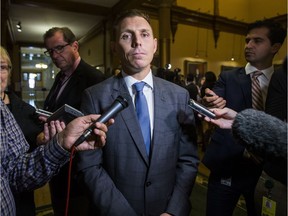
x,y
69,180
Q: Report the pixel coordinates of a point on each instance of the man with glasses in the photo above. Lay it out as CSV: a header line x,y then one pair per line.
x,y
75,75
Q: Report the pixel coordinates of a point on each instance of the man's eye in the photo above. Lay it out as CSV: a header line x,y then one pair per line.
x,y
145,34
58,48
126,36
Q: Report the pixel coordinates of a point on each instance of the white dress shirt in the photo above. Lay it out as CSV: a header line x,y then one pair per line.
x,y
147,90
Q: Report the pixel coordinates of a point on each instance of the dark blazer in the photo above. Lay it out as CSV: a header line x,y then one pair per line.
x,y
26,117
121,179
83,77
223,155
276,105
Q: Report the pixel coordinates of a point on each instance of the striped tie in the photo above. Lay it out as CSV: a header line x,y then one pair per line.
x,y
257,100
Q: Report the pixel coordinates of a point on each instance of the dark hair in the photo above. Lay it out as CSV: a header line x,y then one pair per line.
x,y
277,33
210,79
210,76
125,14
190,77
68,35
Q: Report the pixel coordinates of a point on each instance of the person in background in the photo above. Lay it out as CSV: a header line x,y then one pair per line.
x,y
233,172
193,93
29,123
142,171
207,129
75,75
23,171
191,86
210,79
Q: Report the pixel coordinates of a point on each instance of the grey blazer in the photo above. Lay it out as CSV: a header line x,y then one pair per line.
x,y
121,178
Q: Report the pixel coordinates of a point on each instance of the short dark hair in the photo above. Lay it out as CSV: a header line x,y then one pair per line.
x,y
125,14
68,35
210,76
190,77
277,33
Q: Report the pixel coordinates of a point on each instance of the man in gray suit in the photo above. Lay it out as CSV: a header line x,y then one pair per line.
x,y
123,178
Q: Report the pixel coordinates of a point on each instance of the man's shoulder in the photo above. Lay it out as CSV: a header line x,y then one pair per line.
x,y
83,64
235,70
105,84
88,69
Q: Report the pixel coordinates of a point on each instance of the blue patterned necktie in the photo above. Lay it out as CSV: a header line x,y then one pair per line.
x,y
143,114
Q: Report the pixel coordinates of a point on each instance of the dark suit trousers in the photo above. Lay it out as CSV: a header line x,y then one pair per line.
x,y
222,197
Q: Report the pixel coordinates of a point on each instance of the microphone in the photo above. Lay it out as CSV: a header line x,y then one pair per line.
x,y
118,105
261,133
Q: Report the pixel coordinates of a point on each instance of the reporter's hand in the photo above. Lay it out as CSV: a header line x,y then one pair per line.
x,y
75,129
212,100
224,118
50,130
42,118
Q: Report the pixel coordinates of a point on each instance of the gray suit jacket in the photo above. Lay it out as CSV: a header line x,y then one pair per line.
x,y
121,178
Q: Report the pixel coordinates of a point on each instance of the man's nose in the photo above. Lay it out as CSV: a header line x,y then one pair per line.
x,y
136,41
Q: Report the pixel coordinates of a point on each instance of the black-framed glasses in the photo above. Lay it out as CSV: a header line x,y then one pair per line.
x,y
58,49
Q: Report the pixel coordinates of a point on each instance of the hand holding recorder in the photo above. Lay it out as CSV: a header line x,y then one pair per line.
x,y
201,109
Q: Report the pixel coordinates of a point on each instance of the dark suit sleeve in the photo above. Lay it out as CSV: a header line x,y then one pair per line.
x,y
187,163
102,191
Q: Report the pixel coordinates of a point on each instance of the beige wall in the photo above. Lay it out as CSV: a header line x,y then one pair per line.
x,y
92,51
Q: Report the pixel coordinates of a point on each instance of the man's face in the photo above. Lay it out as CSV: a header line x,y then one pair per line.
x,y
62,56
135,45
258,48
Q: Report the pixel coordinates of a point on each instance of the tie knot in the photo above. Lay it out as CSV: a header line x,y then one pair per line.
x,y
139,86
257,74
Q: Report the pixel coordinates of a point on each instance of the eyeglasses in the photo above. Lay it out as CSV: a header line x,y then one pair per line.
x,y
58,49
5,68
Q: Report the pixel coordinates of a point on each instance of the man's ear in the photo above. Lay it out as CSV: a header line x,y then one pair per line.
x,y
75,45
276,47
155,45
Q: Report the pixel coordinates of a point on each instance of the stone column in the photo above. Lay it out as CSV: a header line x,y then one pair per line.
x,y
164,42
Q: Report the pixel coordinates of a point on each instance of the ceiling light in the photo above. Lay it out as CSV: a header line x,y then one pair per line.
x,y
19,28
18,25
41,65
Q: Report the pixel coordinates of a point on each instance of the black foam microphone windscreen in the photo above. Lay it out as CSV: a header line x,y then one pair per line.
x,y
261,133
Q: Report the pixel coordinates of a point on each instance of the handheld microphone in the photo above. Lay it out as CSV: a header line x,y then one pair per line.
x,y
118,105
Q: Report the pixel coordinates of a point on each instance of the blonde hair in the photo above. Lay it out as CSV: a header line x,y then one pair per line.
x,y
5,56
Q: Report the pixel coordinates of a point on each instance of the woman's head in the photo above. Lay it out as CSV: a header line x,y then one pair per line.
x,y
6,67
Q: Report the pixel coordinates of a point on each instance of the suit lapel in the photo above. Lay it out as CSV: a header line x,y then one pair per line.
x,y
71,83
129,116
159,103
245,83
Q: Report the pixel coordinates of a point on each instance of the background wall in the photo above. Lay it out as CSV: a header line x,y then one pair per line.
x,y
197,44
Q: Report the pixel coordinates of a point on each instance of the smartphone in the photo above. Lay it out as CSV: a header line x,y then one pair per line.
x,y
201,109
43,112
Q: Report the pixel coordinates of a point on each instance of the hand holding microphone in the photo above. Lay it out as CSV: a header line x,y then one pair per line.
x,y
258,132
118,105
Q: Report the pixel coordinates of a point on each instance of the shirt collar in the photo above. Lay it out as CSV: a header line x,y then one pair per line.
x,y
267,72
76,63
130,81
